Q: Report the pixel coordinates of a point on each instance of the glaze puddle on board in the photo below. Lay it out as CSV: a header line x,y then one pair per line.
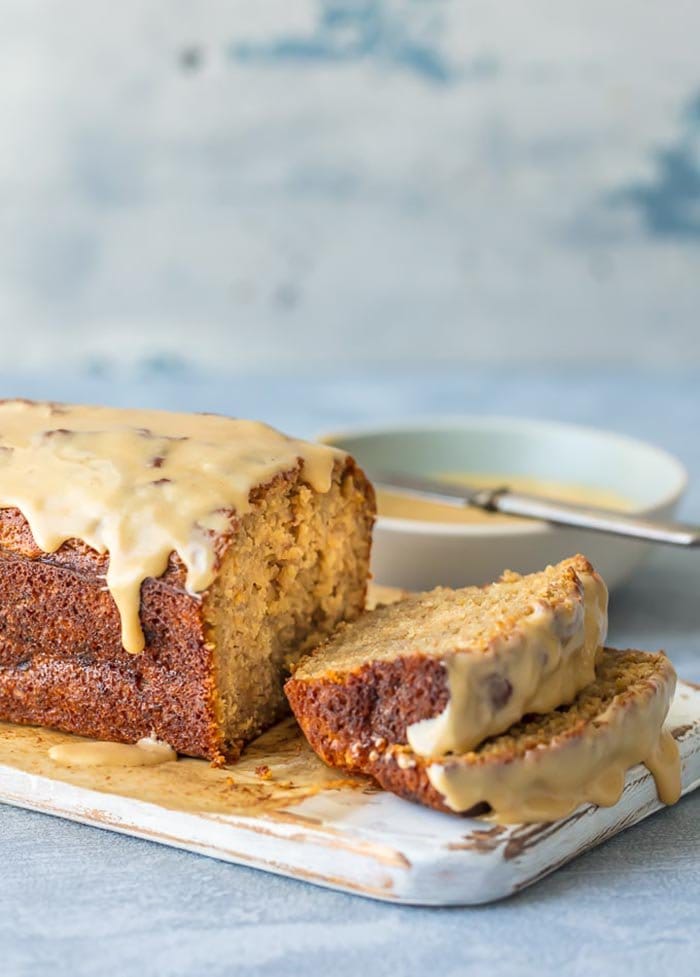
x,y
277,770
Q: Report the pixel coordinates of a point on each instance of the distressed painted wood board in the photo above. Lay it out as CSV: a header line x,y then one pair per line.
x,y
281,810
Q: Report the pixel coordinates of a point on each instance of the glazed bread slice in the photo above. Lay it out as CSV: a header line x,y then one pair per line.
x,y
544,767
444,670
288,564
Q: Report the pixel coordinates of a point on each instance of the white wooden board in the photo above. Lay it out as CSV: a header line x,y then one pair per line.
x,y
349,837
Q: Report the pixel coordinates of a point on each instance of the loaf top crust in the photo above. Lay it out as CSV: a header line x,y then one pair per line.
x,y
445,622
142,485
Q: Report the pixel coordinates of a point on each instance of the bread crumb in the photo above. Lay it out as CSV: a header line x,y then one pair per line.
x,y
405,762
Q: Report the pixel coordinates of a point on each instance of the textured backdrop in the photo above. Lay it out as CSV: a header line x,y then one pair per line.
x,y
225,184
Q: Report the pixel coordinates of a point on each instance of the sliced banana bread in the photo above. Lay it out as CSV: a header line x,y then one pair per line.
x,y
442,671
545,766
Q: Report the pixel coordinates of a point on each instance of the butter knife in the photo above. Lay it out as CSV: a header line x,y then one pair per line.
x,y
504,500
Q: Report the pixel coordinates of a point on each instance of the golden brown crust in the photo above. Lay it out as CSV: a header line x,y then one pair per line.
x,y
62,663
411,783
343,716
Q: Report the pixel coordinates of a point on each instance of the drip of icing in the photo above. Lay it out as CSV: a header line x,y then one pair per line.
x,y
542,665
148,752
664,764
140,485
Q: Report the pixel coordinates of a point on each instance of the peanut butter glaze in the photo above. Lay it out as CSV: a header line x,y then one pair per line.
x,y
148,752
141,485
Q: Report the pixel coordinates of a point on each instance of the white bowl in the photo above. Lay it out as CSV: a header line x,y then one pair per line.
x,y
419,555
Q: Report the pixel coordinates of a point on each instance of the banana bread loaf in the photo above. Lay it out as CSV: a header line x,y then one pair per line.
x,y
160,573
544,767
444,670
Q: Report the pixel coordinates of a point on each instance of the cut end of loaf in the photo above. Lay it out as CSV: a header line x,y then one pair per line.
x,y
297,566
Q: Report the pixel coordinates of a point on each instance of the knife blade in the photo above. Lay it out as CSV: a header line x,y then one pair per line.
x,y
504,500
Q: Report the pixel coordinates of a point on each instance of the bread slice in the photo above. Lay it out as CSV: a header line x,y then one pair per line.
x,y
442,671
544,767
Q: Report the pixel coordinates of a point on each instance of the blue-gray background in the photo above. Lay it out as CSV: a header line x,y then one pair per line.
x,y
227,184
323,212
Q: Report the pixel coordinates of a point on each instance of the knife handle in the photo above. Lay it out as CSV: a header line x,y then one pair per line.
x,y
585,517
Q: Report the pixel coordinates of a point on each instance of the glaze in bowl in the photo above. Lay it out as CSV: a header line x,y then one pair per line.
x,y
418,555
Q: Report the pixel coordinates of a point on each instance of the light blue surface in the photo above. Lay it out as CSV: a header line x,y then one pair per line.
x,y
77,901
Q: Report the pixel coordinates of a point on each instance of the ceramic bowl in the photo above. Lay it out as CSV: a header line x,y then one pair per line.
x,y
419,555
